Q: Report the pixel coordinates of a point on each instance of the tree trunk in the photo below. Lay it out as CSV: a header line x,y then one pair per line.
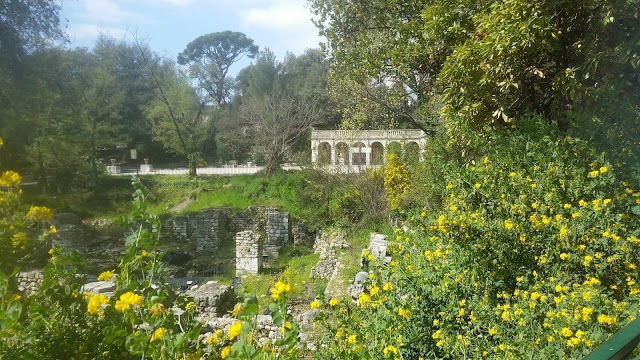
x,y
273,164
42,172
192,165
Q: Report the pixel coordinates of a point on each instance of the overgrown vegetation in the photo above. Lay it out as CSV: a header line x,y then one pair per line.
x,y
534,252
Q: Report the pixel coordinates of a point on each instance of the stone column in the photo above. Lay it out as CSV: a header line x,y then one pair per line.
x,y
333,153
248,253
314,151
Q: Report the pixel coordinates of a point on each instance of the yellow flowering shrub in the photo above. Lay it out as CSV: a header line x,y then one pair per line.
x,y
396,180
531,253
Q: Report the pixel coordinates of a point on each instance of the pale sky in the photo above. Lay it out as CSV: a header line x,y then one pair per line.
x,y
169,25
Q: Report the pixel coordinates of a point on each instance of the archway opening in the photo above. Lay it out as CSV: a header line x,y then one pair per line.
x,y
377,153
358,153
411,152
324,153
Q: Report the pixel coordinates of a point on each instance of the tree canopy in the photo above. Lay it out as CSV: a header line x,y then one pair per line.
x,y
488,62
209,58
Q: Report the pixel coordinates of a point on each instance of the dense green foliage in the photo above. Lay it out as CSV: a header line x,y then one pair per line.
x,y
489,62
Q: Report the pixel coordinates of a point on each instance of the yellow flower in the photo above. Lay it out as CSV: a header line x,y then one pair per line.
x,y
334,302
403,312
508,224
19,240
436,322
127,300
390,349
10,179
364,299
387,286
566,332
374,290
156,309
351,339
603,169
158,334
587,260
237,309
215,337
39,213
279,288
190,306
315,304
96,301
493,331
477,185
235,330
52,229
106,276
563,231
225,352
567,206
582,203
564,256
606,320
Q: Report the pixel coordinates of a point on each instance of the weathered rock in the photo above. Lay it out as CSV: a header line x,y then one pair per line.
x,y
378,245
358,285
213,298
323,269
99,287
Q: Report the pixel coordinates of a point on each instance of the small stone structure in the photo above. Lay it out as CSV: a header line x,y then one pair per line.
x,y
248,253
362,147
326,245
378,247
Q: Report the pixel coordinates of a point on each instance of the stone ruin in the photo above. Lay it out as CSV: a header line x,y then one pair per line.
x,y
193,241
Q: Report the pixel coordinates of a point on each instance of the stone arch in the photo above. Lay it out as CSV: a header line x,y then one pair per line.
x,y
342,153
377,153
358,153
411,152
324,153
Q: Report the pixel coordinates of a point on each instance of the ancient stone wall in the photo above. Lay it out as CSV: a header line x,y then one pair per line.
x,y
277,233
29,281
205,230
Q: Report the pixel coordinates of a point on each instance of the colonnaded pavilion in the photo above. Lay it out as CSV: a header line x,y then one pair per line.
x,y
363,148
